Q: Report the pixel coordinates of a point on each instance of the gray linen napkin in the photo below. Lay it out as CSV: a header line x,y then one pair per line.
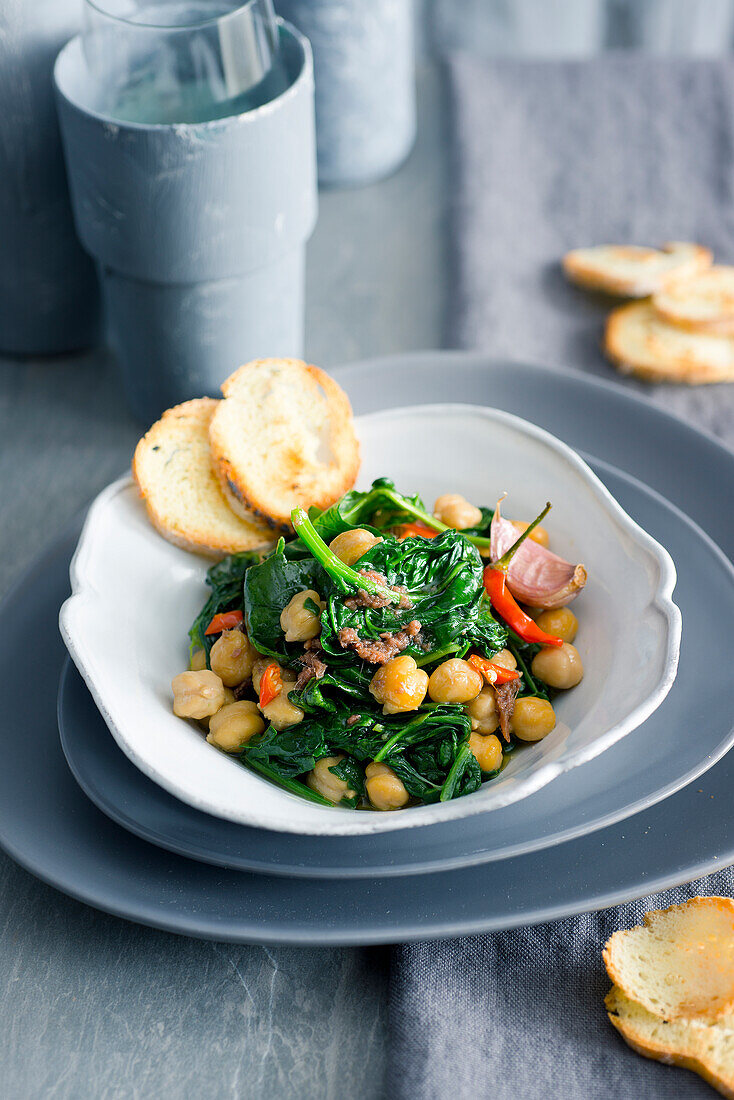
x,y
548,157
556,156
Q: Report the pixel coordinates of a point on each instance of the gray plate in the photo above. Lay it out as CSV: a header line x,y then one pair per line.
x,y
52,829
649,765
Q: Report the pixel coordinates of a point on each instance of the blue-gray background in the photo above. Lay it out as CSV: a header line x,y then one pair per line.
x,y
575,28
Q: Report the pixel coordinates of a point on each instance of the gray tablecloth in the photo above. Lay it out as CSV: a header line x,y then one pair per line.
x,y
548,157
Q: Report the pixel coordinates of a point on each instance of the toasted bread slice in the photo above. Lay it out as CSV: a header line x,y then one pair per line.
x,y
640,343
703,303
283,437
631,271
705,1047
173,469
680,963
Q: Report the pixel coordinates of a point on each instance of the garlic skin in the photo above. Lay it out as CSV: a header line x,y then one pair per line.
x,y
536,576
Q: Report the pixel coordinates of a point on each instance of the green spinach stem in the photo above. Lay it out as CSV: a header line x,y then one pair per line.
x,y
408,735
430,521
292,785
439,654
503,564
515,650
333,565
456,772
392,496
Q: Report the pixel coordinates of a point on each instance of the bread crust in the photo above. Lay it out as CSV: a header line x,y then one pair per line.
x,y
248,499
594,268
638,342
690,1058
211,542
240,503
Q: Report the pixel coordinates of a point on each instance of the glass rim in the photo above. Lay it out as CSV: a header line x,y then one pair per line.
x,y
71,96
209,21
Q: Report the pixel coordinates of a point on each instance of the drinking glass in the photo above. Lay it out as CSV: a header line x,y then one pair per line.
x,y
181,61
198,228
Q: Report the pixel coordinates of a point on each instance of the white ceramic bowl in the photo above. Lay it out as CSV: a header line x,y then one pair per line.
x,y
134,597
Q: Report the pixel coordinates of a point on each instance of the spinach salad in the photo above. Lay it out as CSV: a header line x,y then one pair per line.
x,y
378,657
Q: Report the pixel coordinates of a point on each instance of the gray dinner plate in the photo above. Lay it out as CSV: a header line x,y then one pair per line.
x,y
49,826
646,766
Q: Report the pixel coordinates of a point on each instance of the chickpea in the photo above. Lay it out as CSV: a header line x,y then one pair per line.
x,y
287,675
228,698
538,534
384,789
483,711
455,511
350,546
232,727
197,694
232,657
324,782
298,622
560,622
560,668
487,751
198,660
281,712
455,681
504,658
399,685
258,667
532,719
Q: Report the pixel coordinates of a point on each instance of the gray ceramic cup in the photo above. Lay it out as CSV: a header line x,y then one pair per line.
x,y
199,230
365,84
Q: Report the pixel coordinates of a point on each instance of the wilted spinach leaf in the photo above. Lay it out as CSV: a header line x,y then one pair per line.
x,y
383,507
225,580
428,748
345,683
268,588
443,577
524,653
349,770
380,507
291,751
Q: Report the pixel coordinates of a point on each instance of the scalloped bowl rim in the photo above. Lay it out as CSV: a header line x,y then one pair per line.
x,y
336,820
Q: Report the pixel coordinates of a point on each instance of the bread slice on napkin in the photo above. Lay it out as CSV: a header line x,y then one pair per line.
x,y
173,469
680,963
631,271
283,437
639,342
706,1047
703,303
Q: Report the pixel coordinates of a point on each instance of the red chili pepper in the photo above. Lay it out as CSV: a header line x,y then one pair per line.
x,y
506,605
491,671
225,620
418,530
495,584
270,685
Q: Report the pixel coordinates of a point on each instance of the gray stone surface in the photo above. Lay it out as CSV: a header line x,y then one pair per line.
x,y
92,1006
